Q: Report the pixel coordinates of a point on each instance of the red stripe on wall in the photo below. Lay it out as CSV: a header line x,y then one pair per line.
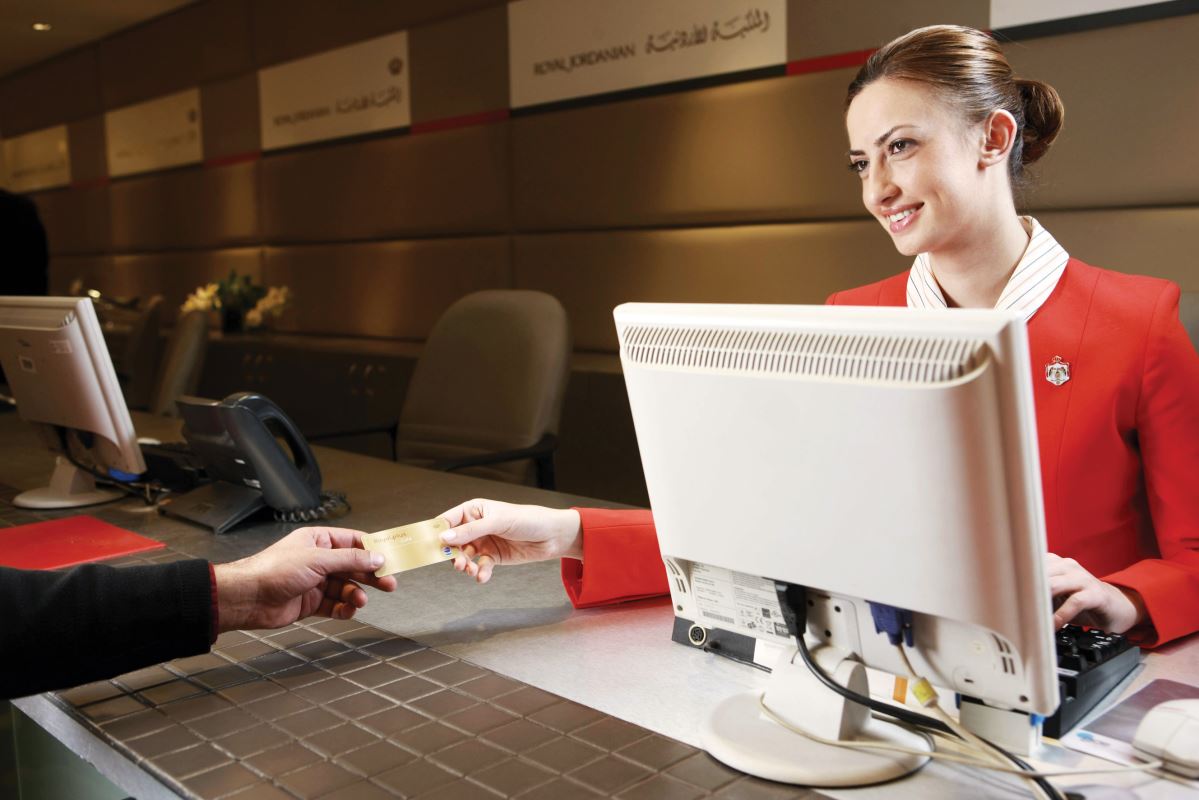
x,y
448,123
236,158
825,63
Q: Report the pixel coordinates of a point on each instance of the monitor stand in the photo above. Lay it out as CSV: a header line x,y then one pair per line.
x,y
70,487
744,736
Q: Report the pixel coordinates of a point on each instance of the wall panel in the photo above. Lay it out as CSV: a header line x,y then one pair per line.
x,y
199,43
460,66
76,220
1130,94
1162,242
828,27
176,275
230,117
64,89
95,272
384,289
592,273
173,275
194,207
760,151
449,182
89,158
288,29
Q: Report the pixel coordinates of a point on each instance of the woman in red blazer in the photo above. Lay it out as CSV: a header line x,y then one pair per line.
x,y
940,131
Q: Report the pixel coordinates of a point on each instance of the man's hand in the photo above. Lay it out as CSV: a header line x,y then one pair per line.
x,y
503,533
1081,598
309,571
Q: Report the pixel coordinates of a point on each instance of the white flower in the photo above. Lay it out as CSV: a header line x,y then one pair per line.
x,y
273,303
202,299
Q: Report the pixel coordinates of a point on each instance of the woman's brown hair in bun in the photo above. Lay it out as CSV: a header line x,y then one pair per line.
x,y
967,68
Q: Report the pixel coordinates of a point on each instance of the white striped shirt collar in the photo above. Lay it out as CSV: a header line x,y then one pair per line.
x,y
1032,282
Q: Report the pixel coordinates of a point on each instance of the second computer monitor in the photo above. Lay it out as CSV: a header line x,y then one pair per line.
x,y
61,375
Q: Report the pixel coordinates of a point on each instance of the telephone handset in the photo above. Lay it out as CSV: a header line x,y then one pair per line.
x,y
240,443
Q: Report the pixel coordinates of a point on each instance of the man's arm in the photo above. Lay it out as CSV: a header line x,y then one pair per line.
x,y
60,629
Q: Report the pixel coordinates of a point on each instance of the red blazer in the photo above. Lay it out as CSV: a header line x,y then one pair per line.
x,y
1119,447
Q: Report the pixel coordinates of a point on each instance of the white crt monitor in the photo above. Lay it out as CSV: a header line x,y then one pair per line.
x,y
61,376
881,455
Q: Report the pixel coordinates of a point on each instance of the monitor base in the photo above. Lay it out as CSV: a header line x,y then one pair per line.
x,y
740,734
70,487
786,734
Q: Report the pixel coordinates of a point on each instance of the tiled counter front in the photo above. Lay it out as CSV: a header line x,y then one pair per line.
x,y
339,709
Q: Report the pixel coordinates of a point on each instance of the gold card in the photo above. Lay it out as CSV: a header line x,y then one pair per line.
x,y
410,546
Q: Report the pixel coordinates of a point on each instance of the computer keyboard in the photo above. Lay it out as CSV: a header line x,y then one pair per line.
x,y
1089,665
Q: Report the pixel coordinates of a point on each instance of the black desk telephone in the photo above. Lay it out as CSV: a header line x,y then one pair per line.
x,y
237,440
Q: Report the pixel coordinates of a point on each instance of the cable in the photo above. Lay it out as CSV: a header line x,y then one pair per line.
x,y
928,697
973,762
128,488
906,715
333,505
912,718
793,604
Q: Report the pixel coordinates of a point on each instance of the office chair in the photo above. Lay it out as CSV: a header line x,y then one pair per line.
x,y
1188,312
179,373
139,360
486,395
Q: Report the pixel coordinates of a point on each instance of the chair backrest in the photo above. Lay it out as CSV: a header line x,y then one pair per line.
x,y
181,365
1188,312
491,377
139,364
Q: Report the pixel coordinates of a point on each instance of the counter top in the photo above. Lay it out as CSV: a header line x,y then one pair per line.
x,y
618,661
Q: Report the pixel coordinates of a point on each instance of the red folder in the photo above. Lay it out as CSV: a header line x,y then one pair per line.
x,y
68,541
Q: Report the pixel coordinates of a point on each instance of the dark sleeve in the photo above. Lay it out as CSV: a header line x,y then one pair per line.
x,y
60,629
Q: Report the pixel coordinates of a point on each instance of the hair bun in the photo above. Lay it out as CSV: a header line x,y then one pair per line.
x,y
1043,118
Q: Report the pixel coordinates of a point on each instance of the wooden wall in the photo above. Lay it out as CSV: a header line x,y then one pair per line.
x,y
734,192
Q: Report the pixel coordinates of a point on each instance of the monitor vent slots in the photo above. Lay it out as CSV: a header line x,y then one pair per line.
x,y
1006,659
677,574
881,358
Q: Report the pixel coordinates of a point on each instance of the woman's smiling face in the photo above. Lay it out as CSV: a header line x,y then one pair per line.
x,y
919,165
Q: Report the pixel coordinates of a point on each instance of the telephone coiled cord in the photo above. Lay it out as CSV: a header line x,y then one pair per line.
x,y
333,505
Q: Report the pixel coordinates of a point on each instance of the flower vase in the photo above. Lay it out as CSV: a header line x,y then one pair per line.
x,y
233,320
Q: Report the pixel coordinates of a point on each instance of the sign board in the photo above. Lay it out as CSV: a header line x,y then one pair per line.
x,y
37,160
156,134
1010,13
563,49
349,91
